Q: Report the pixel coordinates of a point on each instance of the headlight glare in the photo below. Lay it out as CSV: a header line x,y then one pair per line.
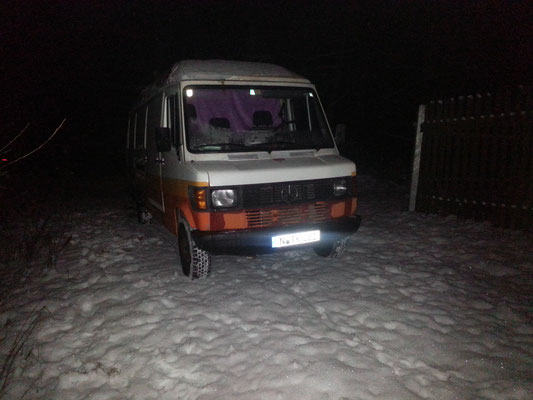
x,y
223,197
340,188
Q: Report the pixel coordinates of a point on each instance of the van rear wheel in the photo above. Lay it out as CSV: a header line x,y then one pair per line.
x,y
143,215
195,262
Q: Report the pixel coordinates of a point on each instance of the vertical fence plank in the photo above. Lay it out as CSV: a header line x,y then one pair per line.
x,y
473,169
526,164
457,144
416,157
449,186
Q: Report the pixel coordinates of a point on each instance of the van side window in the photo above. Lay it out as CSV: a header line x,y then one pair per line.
x,y
140,128
131,131
173,121
154,115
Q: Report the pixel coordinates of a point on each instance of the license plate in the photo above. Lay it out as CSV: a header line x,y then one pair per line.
x,y
294,239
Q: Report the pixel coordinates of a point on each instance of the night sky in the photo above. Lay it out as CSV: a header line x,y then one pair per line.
x,y
373,62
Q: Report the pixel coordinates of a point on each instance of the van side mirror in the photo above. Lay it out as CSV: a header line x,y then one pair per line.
x,y
340,134
162,139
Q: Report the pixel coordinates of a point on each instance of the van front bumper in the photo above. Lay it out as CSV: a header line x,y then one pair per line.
x,y
259,241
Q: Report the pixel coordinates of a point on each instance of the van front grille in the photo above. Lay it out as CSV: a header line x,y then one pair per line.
x,y
288,215
283,193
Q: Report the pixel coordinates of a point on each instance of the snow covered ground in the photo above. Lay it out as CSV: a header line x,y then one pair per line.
x,y
421,307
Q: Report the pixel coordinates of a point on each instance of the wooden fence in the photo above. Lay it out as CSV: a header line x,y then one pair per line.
x,y
474,158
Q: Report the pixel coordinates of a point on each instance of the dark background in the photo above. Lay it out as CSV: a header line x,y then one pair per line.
x,y
373,63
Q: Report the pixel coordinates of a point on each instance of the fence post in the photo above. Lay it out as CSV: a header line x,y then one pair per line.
x,y
416,157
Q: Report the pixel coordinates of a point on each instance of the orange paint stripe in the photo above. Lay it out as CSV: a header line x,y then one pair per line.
x,y
172,182
179,188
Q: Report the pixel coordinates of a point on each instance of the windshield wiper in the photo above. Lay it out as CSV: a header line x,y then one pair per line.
x,y
266,146
219,146
315,146
273,146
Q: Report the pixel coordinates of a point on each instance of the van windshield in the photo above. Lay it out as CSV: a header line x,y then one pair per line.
x,y
238,118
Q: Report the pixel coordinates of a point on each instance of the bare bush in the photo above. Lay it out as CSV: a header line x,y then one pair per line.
x,y
20,348
33,232
32,239
8,148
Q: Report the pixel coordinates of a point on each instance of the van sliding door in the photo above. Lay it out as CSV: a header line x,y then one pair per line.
x,y
155,159
139,149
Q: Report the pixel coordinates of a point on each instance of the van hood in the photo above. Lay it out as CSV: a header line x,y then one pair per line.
x,y
229,173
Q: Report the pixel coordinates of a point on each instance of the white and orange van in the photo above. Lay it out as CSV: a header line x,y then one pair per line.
x,y
239,157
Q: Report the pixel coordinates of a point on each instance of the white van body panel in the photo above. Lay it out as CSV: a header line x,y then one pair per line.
x,y
227,173
259,155
224,70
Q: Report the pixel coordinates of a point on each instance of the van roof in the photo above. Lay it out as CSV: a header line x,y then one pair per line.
x,y
231,70
220,70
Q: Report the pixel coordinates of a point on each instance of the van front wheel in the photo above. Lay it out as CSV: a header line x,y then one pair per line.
x,y
332,248
195,262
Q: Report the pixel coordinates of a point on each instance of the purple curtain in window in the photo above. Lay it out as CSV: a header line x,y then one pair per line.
x,y
236,105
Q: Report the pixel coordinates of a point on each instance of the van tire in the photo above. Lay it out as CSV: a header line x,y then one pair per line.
x,y
331,249
143,215
195,262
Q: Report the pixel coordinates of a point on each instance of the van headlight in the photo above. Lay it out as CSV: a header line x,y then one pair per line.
x,y
340,188
223,198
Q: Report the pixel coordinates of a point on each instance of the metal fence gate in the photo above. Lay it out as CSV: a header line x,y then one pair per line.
x,y
474,158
